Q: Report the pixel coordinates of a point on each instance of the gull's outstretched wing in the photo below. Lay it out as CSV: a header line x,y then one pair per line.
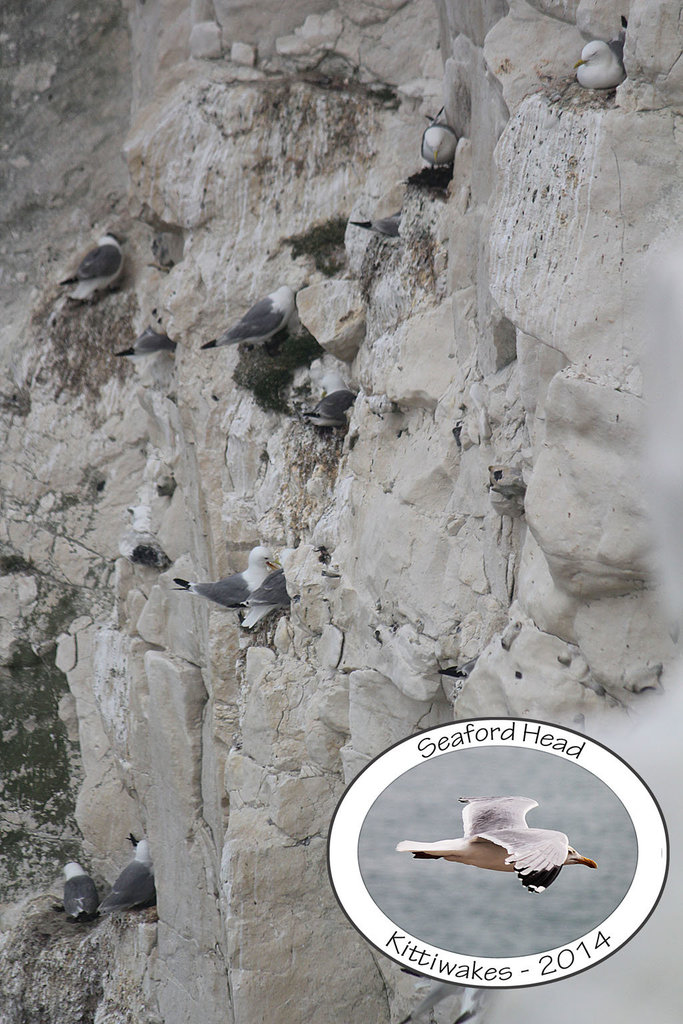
x,y
492,813
537,854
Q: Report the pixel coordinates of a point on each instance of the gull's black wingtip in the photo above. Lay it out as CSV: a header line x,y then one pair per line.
x,y
69,280
210,344
182,584
126,352
624,22
361,223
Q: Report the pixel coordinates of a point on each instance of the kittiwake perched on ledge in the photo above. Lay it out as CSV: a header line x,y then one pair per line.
x,y
261,322
234,590
387,226
602,64
99,269
270,595
135,885
498,838
438,143
80,894
147,343
331,409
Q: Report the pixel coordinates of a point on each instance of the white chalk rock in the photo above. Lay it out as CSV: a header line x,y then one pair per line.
x,y
334,313
205,40
585,499
243,53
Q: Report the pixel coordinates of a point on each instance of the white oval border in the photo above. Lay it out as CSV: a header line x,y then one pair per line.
x,y
491,972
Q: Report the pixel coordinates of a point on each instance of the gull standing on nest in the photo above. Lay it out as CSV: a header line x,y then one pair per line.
x,y
99,269
438,143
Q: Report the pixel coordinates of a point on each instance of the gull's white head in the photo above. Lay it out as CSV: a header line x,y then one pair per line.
x,y
575,858
599,67
259,556
142,853
110,239
73,869
332,381
283,299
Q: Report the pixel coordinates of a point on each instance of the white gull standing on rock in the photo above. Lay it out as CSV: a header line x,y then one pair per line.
x,y
135,885
498,838
261,322
99,269
80,894
438,143
233,591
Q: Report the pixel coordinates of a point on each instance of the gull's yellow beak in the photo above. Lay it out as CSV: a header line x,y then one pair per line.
x,y
273,563
587,861
579,63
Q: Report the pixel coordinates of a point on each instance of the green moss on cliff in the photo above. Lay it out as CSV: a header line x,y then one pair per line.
x,y
324,242
268,375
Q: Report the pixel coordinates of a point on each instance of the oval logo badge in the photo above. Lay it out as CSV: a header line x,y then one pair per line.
x,y
498,853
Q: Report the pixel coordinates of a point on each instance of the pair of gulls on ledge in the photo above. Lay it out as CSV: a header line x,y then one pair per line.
x,y
438,147
261,588
134,887
259,324
498,838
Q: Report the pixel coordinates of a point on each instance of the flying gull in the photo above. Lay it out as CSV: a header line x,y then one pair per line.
x,y
438,143
261,322
497,837
387,226
135,885
270,595
80,894
602,64
233,591
147,343
99,269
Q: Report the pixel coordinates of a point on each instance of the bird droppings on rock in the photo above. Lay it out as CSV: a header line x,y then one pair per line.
x,y
78,344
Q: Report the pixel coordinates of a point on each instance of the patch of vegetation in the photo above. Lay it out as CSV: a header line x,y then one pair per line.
x,y
154,558
18,401
65,605
268,371
38,787
14,563
325,243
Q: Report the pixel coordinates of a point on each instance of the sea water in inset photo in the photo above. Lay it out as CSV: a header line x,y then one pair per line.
x,y
479,912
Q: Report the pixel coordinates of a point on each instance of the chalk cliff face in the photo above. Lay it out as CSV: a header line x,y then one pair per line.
x,y
486,502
